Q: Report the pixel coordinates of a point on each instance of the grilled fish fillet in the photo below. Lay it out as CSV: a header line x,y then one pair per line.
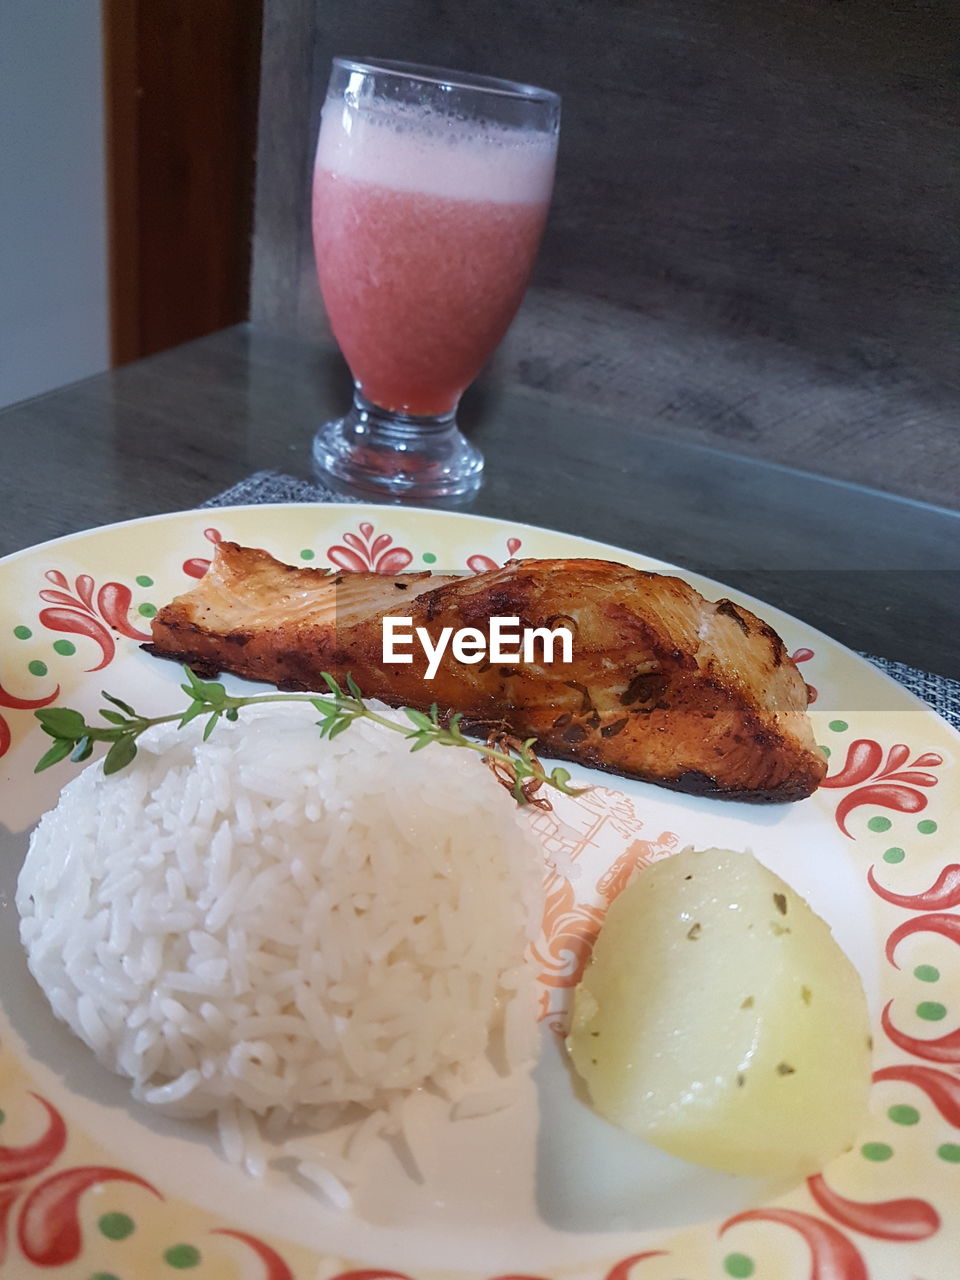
x,y
664,685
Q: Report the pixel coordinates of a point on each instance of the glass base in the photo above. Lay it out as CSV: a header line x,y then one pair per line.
x,y
397,455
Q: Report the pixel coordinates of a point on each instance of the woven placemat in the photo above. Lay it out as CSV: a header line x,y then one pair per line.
x,y
940,692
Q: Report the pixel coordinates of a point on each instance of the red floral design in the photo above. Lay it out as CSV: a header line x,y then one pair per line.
x,y
942,1088
48,1228
483,564
197,567
623,1269
569,927
832,1255
19,704
18,1163
79,613
366,552
944,923
944,1049
943,894
276,1268
7,1197
620,1271
371,1275
888,784
569,932
804,655
48,1232
884,1219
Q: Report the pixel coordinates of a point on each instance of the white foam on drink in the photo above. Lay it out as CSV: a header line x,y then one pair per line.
x,y
411,148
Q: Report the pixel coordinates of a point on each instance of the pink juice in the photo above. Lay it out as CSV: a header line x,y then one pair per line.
x,y
425,232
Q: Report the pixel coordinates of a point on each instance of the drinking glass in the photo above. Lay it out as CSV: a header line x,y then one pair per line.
x,y
430,193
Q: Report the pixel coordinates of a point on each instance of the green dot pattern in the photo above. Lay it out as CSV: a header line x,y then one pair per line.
x,y
64,647
37,668
904,1115
894,855
3,1116
116,1226
144,581
838,726
927,827
182,1256
950,1151
876,1151
926,973
307,554
879,824
22,633
104,1275
738,1265
147,611
825,750
931,1011
429,558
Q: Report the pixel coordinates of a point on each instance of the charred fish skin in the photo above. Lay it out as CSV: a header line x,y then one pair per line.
x,y
664,685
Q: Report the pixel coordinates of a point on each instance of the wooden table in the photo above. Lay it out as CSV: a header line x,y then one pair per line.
x,y
878,572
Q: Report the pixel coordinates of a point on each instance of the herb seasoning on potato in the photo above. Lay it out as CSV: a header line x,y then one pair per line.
x,y
719,1019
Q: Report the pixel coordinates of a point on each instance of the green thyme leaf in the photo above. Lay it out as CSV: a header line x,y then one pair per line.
x,y
211,724
354,688
418,718
59,751
120,754
327,710
61,722
195,709
209,691
124,706
114,717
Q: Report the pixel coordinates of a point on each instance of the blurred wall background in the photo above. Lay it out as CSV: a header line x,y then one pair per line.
x,y
127,138
181,79
753,245
54,325
754,237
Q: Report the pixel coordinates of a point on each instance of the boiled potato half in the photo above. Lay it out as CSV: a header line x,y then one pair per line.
x,y
719,1019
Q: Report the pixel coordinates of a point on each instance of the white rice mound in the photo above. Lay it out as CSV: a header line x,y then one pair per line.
x,y
273,925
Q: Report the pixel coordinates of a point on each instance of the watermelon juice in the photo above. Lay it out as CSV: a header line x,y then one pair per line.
x,y
425,229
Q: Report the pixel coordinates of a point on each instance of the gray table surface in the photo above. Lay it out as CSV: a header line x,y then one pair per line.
x,y
878,572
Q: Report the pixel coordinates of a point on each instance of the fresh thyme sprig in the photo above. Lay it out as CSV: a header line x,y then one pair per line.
x,y
513,762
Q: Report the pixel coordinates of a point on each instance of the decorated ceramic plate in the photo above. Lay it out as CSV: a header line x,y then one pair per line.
x,y
92,1187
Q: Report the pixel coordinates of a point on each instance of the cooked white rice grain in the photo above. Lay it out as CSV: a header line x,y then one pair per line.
x,y
272,925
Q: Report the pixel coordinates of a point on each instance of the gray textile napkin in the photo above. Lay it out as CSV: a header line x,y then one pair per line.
x,y
271,486
940,692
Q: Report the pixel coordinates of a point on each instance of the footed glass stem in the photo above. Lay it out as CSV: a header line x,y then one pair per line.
x,y
398,455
